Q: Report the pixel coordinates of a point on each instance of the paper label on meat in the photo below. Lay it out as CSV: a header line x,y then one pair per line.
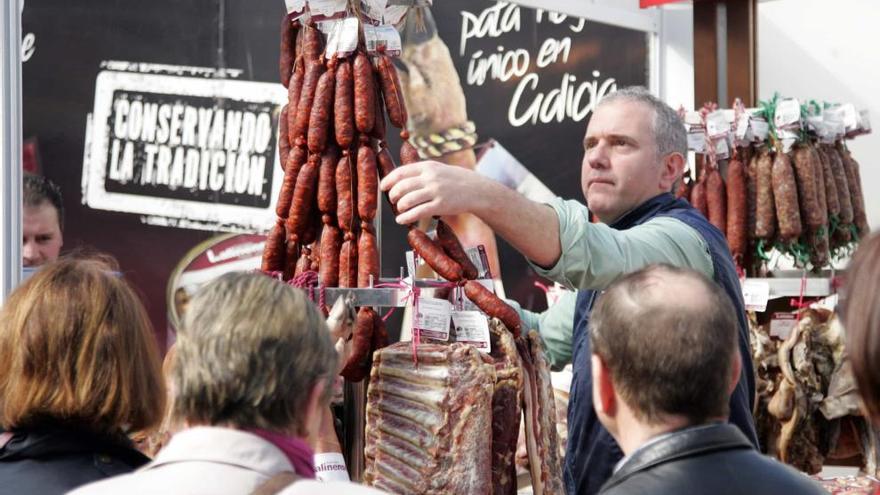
x,y
295,6
433,317
756,294
327,9
696,141
788,114
717,124
478,257
760,129
343,38
722,150
383,39
373,10
781,324
472,327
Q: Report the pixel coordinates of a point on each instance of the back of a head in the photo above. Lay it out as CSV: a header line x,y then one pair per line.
x,y
78,347
668,337
38,190
860,301
248,354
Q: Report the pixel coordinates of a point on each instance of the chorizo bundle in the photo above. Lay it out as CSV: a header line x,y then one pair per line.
x,y
785,195
313,72
367,184
737,209
716,200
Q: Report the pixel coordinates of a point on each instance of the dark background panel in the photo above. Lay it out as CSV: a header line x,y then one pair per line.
x,y
73,38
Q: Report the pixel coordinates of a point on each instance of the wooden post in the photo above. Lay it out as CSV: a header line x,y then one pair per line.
x,y
738,68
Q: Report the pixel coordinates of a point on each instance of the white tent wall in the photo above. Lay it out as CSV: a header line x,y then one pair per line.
x,y
824,50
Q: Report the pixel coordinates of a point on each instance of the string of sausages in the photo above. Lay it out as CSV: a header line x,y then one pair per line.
x,y
333,151
807,202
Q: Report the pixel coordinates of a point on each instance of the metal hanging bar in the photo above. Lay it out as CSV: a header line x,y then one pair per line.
x,y
10,146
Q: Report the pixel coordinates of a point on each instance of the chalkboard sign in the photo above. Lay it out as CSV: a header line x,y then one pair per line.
x,y
531,79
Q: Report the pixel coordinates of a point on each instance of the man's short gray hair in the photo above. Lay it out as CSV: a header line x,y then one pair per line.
x,y
669,132
249,353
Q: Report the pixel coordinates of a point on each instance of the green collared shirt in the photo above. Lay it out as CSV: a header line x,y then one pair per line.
x,y
594,254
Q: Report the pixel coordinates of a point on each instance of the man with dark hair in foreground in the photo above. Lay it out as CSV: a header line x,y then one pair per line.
x,y
662,377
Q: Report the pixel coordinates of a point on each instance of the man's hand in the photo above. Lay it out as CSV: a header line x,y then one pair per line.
x,y
429,188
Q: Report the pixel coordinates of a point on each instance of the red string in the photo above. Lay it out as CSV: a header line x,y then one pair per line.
x,y
799,304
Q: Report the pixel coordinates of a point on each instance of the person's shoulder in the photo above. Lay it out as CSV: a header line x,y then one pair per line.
x,y
782,478
312,487
118,484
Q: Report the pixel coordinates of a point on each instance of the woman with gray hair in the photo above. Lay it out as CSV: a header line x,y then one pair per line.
x,y
252,374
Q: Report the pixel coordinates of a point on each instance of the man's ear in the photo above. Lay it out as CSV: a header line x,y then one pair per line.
x,y
673,169
736,369
604,397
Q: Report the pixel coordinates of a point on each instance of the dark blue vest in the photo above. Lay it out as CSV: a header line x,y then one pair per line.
x,y
592,452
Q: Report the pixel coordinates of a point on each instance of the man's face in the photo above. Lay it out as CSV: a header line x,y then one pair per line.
x,y
42,234
621,167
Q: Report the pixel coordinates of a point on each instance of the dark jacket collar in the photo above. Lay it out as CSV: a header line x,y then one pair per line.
x,y
683,443
52,439
645,211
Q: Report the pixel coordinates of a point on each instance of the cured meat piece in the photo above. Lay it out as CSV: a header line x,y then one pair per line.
x,y
367,184
853,179
327,183
291,256
716,200
806,188
344,194
765,209
287,51
364,93
331,243
368,258
506,408
751,197
319,118
452,247
428,428
303,199
493,306
303,113
737,210
378,130
348,262
358,365
844,196
408,153
785,194
283,143
539,411
273,252
294,91
380,333
819,177
433,255
392,92
831,199
295,161
699,200
312,45
343,105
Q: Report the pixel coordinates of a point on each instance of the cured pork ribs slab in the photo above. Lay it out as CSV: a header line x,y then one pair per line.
x,y
429,428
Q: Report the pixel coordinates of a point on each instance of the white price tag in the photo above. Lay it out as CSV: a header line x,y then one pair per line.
x,y
781,325
383,39
410,263
343,38
722,150
373,10
472,327
478,257
742,126
756,293
864,121
330,466
716,124
432,318
322,10
696,141
295,6
849,116
760,129
788,113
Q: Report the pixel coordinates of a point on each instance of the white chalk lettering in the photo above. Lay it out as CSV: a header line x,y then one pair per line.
x,y
492,22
